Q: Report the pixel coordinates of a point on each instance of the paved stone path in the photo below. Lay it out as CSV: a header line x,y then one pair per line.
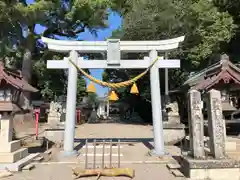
x,y
63,171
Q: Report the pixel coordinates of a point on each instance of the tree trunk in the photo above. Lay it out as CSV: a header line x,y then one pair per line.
x,y
27,68
26,73
25,116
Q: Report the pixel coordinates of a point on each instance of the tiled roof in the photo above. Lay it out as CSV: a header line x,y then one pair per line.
x,y
15,79
224,71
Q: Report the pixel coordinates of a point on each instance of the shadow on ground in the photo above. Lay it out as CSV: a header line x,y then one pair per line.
x,y
146,141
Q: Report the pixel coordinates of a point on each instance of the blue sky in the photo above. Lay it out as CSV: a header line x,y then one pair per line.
x,y
114,21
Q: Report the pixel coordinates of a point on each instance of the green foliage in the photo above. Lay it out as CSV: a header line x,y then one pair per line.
x,y
208,29
20,46
92,99
81,88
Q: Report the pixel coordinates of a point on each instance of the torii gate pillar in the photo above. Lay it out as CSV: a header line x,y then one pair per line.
x,y
156,108
69,133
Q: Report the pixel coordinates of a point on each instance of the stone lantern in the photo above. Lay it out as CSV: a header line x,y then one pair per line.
x,y
11,86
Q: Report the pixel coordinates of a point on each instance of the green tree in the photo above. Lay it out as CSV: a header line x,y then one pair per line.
x,y
20,43
92,100
207,30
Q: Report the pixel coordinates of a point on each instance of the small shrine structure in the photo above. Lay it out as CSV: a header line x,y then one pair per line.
x,y
12,85
223,76
12,155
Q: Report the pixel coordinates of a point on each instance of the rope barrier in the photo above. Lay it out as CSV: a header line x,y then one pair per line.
x,y
114,85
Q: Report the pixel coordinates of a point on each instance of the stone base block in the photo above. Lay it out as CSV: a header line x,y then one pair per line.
x,y
225,169
9,147
173,133
13,156
229,146
54,135
173,119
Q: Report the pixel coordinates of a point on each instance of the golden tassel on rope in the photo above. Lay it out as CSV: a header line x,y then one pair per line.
x,y
113,96
91,87
134,89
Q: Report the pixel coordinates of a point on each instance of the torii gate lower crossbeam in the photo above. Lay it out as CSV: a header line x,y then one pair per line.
x,y
152,46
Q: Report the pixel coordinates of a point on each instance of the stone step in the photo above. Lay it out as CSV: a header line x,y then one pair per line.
x,y
9,147
101,146
28,167
13,156
17,166
38,159
177,173
106,154
173,166
5,173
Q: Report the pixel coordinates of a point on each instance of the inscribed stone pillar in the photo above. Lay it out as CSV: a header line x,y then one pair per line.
x,y
216,125
195,120
6,131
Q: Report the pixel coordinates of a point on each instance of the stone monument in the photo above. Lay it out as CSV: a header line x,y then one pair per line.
x,y
173,129
54,115
216,125
172,113
215,166
196,131
55,132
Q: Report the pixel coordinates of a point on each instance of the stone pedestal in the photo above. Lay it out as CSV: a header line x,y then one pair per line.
x,y
224,169
173,133
55,135
10,151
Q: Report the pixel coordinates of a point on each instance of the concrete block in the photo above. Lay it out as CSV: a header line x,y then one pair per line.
x,y
177,173
231,146
5,173
215,174
13,156
173,166
17,166
28,167
54,135
39,158
8,147
214,169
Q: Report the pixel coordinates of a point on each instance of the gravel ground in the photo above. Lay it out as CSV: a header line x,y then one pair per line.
x,y
113,130
136,152
63,171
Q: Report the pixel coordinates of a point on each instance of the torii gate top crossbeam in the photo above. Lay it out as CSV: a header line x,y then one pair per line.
x,y
102,46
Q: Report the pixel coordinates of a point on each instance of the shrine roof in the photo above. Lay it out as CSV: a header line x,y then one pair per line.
x,y
224,70
14,77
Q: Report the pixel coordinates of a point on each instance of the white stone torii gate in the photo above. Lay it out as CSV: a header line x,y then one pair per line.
x,y
113,47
